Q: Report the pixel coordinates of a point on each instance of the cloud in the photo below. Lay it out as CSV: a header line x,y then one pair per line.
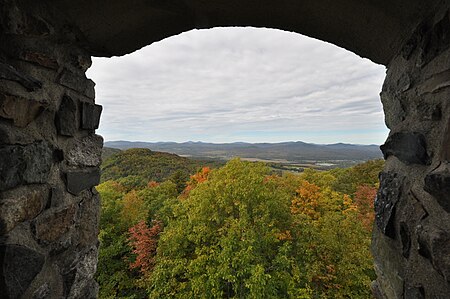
x,y
240,84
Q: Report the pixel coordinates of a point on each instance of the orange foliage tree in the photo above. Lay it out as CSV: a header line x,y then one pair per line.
x,y
144,241
152,184
307,200
196,179
364,199
327,231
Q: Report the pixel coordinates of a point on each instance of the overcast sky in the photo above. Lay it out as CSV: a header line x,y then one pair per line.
x,y
240,84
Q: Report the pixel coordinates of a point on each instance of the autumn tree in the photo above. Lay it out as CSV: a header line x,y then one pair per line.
x,y
195,179
223,241
364,199
113,274
144,241
336,261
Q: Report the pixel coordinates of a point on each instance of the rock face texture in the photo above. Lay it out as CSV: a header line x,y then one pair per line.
x,y
411,241
50,155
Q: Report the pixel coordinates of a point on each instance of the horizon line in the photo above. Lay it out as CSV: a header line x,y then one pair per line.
x,y
291,141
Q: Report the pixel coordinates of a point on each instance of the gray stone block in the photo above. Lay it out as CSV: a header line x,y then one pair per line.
x,y
385,203
66,117
438,185
79,180
410,148
19,267
90,118
24,164
86,152
10,73
434,244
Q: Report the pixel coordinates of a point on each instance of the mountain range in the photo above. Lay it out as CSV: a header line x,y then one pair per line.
x,y
293,152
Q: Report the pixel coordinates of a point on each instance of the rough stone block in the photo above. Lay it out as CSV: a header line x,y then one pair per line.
x,y
404,82
405,238
79,180
80,283
394,109
56,197
40,59
20,110
414,292
428,111
386,265
434,244
51,226
385,203
446,144
21,204
437,184
77,83
410,148
88,220
8,72
66,117
435,83
25,164
86,152
42,292
19,267
90,118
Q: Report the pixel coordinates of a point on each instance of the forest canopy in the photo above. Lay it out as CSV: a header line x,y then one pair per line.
x,y
238,231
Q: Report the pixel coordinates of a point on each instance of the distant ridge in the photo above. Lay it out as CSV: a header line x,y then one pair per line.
x,y
297,151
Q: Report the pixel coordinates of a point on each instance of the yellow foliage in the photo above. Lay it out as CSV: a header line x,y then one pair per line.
x,y
307,200
133,210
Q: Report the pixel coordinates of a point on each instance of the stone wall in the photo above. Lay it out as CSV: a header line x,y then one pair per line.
x,y
411,241
49,158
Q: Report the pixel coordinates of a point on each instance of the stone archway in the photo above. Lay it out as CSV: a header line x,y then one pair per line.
x,y
49,153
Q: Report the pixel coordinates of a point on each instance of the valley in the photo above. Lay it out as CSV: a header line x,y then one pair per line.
x,y
288,156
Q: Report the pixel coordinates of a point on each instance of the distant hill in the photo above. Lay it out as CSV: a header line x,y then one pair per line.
x,y
149,165
109,151
284,151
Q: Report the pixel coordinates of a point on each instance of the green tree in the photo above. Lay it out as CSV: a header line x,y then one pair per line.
x,y
113,274
132,182
223,240
159,201
348,179
179,178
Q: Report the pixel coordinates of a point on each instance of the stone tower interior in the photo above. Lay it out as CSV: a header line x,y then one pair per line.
x,y
50,154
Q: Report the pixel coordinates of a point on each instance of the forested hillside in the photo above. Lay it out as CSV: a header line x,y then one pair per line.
x,y
108,152
238,231
137,166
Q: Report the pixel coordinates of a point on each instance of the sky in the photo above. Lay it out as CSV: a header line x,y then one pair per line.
x,y
240,85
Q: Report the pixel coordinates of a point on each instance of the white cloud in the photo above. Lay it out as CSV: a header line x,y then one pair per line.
x,y
240,84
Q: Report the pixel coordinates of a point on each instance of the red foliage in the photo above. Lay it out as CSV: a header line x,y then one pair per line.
x,y
144,241
364,200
